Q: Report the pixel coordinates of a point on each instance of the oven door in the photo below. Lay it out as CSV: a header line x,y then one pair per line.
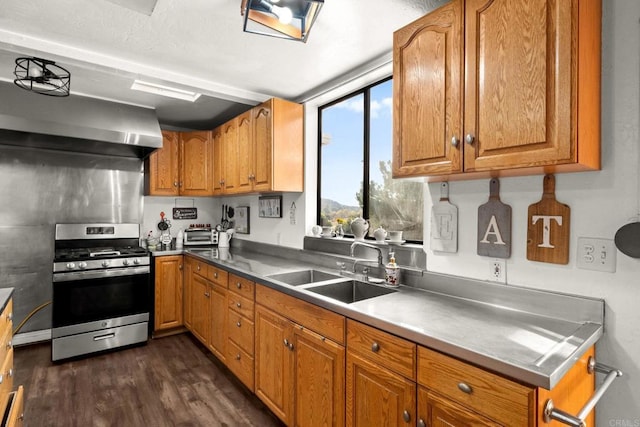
x,y
118,295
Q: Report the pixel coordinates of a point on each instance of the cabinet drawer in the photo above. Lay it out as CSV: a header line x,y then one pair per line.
x,y
241,305
200,268
240,363
324,322
16,410
496,397
218,276
6,379
6,323
387,350
242,286
241,331
5,343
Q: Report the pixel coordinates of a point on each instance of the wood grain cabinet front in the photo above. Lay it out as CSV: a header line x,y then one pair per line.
x,y
240,327
169,284
299,372
183,166
513,86
11,402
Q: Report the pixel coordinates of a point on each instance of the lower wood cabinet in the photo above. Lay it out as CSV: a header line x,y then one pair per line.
x,y
168,292
217,341
200,310
435,410
299,373
11,402
381,387
240,318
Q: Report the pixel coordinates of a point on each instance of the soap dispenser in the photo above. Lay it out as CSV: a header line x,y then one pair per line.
x,y
391,271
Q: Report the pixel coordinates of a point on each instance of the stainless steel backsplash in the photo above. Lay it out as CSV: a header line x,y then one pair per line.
x,y
39,188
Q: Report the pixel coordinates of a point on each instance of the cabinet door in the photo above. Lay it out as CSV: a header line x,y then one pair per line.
x,y
274,362
218,160
518,90
377,396
187,292
164,166
217,341
427,86
262,146
230,153
168,292
15,416
436,411
245,151
200,299
319,380
196,169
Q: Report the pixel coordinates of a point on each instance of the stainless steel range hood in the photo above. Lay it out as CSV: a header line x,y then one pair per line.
x,y
77,124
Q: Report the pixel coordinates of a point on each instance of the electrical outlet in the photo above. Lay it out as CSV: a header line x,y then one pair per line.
x,y
498,271
596,254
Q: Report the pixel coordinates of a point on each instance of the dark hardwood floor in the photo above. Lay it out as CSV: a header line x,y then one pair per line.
x,y
171,381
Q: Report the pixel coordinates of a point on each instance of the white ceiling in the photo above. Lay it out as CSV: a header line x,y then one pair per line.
x,y
197,45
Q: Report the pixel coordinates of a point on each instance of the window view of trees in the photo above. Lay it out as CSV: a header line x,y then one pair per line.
x,y
351,156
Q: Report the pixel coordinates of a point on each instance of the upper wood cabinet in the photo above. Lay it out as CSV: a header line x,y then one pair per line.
x,y
225,155
498,87
162,167
266,151
183,166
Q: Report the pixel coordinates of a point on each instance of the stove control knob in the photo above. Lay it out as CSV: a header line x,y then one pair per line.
x,y
70,266
125,262
105,263
82,265
136,261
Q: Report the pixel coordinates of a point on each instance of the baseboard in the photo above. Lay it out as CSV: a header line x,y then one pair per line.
x,y
31,337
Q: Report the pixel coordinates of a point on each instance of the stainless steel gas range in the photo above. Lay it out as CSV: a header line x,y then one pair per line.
x,y
101,289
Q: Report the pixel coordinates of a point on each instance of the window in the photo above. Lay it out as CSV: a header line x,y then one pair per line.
x,y
355,145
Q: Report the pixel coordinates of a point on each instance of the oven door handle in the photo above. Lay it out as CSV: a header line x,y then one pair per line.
x,y
98,274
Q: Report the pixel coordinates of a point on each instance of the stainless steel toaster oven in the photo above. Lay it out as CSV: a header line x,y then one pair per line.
x,y
200,237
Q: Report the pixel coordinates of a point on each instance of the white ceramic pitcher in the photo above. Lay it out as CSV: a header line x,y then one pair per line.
x,y
359,227
224,238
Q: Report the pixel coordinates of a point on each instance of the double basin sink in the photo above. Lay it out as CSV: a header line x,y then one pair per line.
x,y
332,285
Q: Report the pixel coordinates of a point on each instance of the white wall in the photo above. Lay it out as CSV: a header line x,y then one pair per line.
x,y
209,212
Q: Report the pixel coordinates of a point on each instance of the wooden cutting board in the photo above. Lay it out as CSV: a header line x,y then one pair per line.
x,y
444,223
548,227
494,225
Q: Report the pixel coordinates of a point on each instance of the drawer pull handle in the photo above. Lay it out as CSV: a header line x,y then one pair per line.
x,y
406,416
104,337
553,413
375,347
465,388
421,423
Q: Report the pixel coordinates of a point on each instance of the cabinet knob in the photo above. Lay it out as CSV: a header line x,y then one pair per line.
x,y
291,346
10,373
238,304
198,267
9,317
175,183
179,266
375,347
215,274
406,416
206,294
9,345
455,141
180,184
465,388
286,342
421,423
238,356
239,285
469,138
238,324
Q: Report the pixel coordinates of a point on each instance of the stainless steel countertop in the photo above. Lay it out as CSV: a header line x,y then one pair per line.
x,y
528,344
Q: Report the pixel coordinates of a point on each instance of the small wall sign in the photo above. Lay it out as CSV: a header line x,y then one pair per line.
x,y
444,223
270,206
548,227
494,225
185,213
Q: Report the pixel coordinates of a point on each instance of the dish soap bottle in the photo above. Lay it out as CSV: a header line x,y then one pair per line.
x,y
180,239
391,271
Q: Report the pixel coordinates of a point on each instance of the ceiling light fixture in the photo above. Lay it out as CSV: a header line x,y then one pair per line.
x,y
291,19
42,76
171,92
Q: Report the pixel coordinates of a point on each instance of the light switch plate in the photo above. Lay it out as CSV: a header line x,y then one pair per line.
x,y
596,254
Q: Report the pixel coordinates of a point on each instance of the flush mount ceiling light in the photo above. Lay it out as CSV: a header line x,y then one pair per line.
x,y
42,76
161,90
288,19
